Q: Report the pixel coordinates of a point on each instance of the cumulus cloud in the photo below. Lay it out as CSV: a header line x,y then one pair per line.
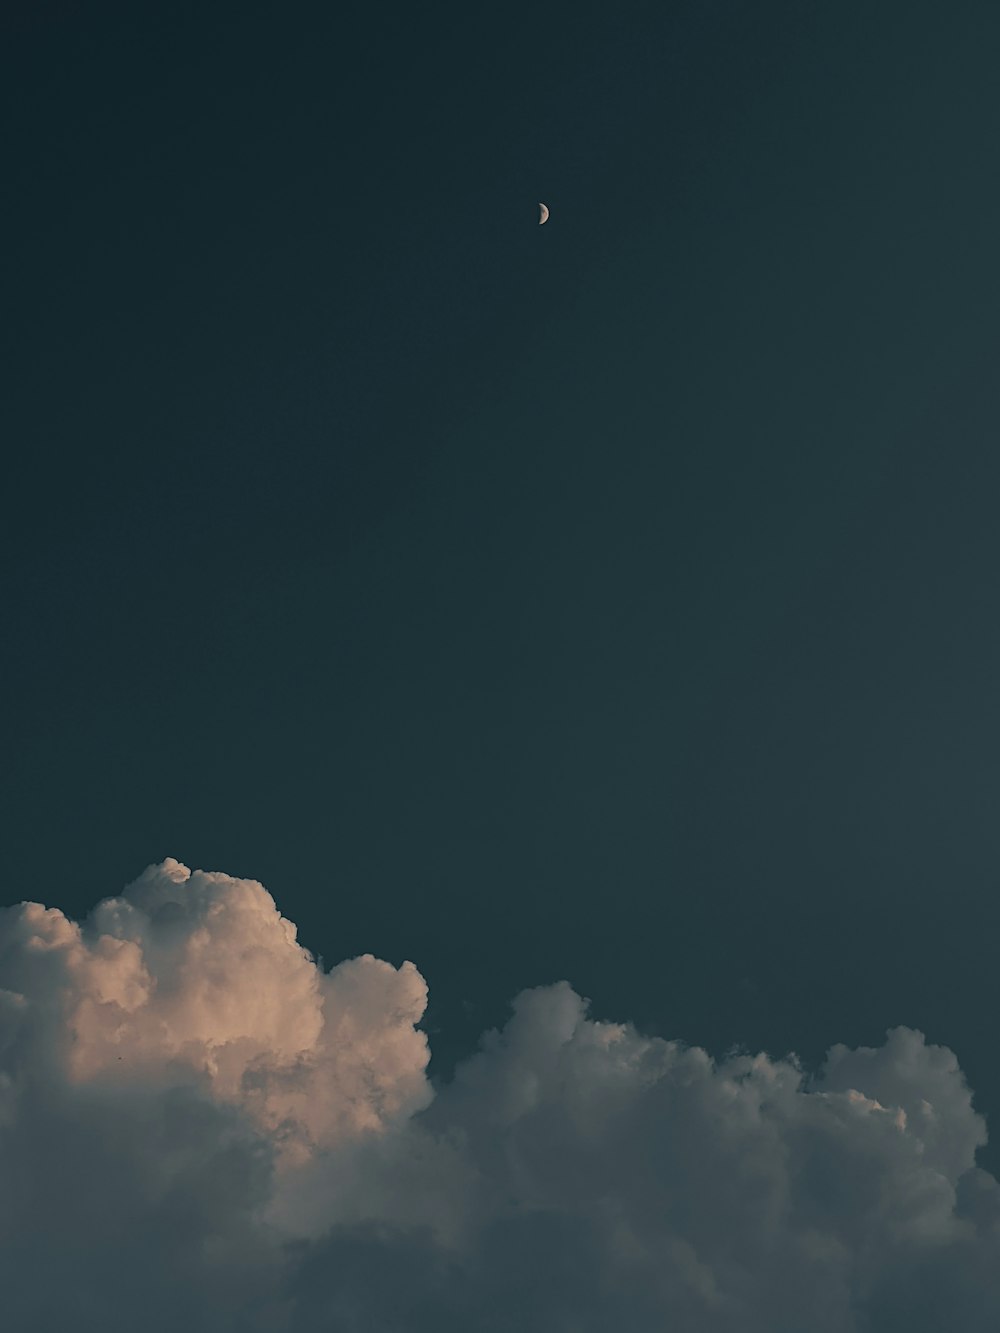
x,y
199,1124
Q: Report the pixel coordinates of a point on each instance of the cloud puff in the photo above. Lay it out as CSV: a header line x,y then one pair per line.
x,y
197,1123
196,980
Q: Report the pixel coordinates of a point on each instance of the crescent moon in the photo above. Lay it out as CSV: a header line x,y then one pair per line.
x,y
543,215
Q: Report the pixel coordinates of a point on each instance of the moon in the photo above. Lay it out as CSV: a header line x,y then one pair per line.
x,y
543,214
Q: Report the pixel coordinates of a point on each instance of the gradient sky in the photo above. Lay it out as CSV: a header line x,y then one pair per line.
x,y
613,601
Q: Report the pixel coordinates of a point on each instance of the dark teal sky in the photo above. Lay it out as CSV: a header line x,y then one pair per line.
x,y
614,601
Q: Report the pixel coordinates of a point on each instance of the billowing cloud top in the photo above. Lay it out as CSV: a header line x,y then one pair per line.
x,y
199,1125
196,980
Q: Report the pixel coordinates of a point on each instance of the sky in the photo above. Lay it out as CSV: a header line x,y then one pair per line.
x,y
596,619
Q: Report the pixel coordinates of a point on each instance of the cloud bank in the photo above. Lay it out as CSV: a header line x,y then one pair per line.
x,y
200,1127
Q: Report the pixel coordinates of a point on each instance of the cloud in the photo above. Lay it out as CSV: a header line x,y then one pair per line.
x,y
198,1125
196,980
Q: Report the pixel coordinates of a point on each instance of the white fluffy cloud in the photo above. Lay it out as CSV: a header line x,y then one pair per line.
x,y
199,1125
